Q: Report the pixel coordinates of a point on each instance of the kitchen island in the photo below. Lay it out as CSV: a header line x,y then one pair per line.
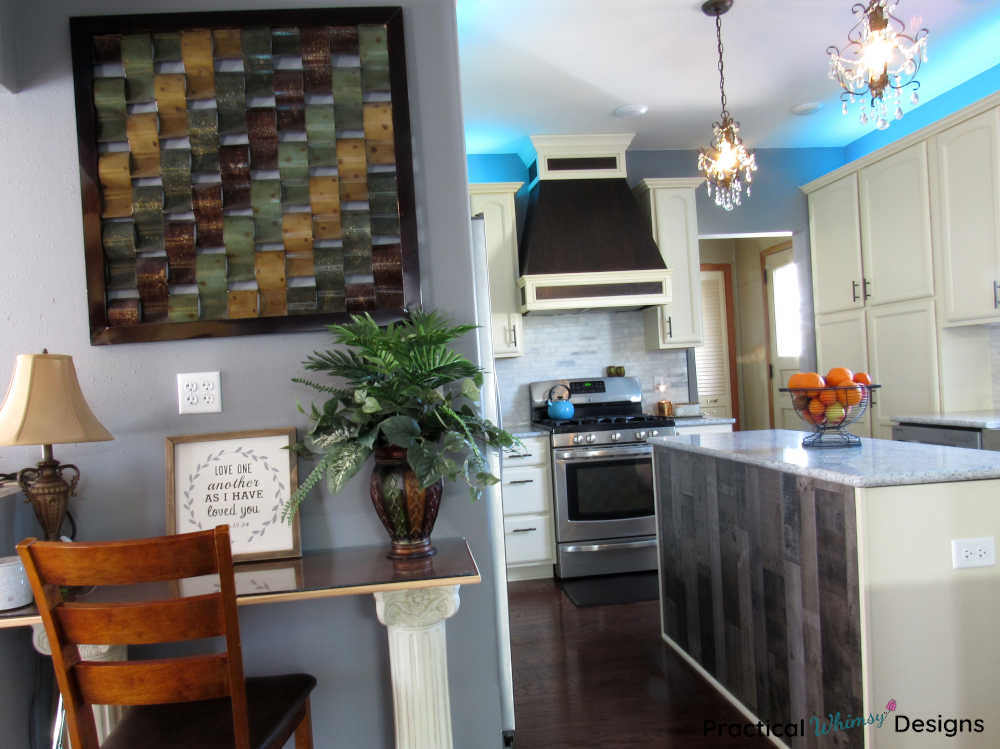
x,y
814,586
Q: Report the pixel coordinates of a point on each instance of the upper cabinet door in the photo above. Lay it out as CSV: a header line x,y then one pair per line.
x,y
496,202
896,228
835,238
966,189
670,205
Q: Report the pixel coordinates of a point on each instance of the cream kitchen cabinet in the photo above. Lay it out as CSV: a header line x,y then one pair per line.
x,y
495,201
669,205
965,186
526,486
896,250
897,345
870,235
835,240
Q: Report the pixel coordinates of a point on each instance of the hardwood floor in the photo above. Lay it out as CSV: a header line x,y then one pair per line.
x,y
601,677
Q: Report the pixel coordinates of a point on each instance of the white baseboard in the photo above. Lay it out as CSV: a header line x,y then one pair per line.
x,y
529,572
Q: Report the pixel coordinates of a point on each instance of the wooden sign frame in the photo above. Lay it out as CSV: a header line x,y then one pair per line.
x,y
243,479
159,296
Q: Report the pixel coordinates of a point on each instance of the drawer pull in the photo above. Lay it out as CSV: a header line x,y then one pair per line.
x,y
520,455
524,530
521,481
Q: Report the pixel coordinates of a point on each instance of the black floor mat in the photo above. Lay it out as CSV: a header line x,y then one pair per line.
x,y
606,590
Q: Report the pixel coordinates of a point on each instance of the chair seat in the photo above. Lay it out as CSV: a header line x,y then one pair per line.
x,y
274,703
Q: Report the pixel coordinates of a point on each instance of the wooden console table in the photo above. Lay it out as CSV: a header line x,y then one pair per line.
x,y
412,599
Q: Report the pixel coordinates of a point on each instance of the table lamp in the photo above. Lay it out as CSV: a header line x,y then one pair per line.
x,y
45,406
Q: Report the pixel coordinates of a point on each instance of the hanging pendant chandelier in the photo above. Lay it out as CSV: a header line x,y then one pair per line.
x,y
878,63
727,158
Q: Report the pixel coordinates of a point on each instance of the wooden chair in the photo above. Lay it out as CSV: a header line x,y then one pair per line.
x,y
198,701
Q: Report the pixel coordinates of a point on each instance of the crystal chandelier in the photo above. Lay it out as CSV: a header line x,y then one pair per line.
x,y
879,61
727,159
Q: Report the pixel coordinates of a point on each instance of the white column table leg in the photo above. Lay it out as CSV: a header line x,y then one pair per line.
x,y
415,620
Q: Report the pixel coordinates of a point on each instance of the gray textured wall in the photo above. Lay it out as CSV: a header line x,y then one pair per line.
x,y
132,387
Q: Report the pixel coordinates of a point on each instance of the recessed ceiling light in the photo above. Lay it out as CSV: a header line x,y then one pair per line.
x,y
631,110
807,107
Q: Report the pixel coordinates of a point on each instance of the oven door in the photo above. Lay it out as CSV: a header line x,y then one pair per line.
x,y
603,492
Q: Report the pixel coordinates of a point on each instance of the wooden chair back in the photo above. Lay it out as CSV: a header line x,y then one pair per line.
x,y
52,566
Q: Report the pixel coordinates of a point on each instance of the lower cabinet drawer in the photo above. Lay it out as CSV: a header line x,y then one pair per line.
x,y
526,490
528,539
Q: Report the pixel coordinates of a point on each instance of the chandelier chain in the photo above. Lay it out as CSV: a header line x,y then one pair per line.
x,y
722,74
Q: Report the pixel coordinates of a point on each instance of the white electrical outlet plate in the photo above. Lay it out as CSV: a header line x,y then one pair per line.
x,y
199,393
973,552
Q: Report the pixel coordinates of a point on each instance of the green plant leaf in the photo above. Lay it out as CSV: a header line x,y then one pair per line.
x,y
342,463
400,430
469,389
360,396
430,464
371,406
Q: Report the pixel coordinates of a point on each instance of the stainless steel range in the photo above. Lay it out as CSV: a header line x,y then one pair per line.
x,y
602,475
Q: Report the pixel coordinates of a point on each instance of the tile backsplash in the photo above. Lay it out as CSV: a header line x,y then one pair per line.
x,y
584,344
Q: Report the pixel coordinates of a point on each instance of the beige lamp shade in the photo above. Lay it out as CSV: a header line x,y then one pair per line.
x,y
45,406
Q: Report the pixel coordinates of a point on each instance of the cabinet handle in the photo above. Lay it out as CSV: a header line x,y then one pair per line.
x,y
670,327
854,290
524,530
996,294
520,455
514,329
867,290
521,481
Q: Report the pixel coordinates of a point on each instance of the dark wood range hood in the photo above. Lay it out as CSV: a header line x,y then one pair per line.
x,y
585,241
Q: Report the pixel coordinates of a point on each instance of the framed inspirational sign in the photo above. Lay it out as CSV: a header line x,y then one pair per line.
x,y
242,479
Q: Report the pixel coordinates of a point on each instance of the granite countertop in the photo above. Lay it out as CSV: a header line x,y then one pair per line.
x,y
967,419
875,463
701,421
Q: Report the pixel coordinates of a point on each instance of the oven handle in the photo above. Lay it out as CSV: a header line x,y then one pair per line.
x,y
644,544
568,456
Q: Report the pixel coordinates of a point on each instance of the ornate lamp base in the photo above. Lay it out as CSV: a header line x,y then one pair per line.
x,y
48,492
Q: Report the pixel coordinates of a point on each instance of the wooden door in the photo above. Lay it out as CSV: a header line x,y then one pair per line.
x,y
784,320
835,237
902,344
966,189
896,228
842,341
714,358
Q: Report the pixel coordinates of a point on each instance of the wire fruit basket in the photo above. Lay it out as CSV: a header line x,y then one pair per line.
x,y
829,411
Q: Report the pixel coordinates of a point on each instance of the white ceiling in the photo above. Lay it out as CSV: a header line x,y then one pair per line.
x,y
563,66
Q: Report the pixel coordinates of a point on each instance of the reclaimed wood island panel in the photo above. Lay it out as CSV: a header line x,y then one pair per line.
x,y
813,586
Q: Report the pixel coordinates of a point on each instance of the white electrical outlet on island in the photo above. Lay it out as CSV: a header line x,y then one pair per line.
x,y
199,393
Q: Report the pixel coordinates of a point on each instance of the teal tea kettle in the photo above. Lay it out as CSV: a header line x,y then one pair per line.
x,y
560,409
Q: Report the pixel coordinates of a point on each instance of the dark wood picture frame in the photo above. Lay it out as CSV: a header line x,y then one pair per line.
x,y
174,504
83,31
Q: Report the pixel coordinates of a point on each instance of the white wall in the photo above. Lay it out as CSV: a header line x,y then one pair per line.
x,y
132,387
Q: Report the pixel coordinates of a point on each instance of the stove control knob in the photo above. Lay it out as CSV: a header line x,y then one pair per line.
x,y
577,439
591,438
640,435
615,436
654,433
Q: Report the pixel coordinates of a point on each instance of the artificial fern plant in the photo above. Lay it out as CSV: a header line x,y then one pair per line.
x,y
398,385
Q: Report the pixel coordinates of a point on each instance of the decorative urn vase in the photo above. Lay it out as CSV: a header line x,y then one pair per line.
x,y
407,511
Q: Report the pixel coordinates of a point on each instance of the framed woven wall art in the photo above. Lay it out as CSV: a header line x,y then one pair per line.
x,y
244,172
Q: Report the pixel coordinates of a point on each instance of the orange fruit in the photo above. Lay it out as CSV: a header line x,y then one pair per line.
x,y
805,380
863,377
817,407
838,376
828,396
849,395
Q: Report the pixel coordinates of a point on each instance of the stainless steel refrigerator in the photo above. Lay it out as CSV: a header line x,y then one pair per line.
x,y
491,408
